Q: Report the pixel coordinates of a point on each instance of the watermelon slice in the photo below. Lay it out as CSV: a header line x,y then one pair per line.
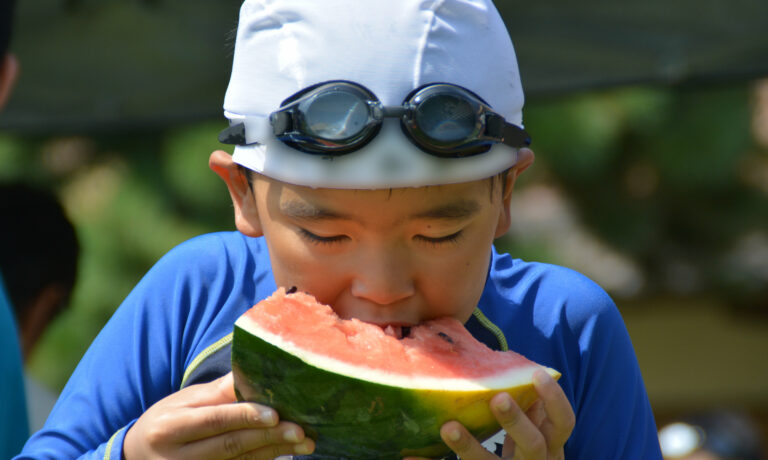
x,y
363,392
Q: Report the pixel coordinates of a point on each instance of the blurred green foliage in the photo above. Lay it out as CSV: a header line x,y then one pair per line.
x,y
132,198
661,176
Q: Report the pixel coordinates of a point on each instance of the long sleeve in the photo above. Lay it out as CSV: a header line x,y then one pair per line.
x,y
185,303
559,318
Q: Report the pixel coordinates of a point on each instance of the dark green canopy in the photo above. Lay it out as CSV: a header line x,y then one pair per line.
x,y
127,64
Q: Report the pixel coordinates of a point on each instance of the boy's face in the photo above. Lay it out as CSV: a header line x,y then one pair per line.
x,y
389,257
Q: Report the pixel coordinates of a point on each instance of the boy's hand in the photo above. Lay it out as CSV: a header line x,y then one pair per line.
x,y
205,421
537,434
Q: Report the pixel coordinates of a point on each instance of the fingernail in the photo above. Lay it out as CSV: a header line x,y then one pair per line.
x,y
267,416
541,378
291,435
304,448
504,405
453,435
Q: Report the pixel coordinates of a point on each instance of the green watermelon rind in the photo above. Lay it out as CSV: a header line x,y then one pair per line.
x,y
351,418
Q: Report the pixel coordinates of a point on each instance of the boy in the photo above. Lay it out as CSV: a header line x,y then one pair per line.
x,y
370,173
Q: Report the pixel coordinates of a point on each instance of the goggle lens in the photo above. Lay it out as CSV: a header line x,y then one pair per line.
x,y
335,116
446,119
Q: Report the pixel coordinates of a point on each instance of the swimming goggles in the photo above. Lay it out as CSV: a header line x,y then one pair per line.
x,y
339,117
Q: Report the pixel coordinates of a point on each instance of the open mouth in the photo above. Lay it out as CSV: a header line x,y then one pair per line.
x,y
398,332
404,332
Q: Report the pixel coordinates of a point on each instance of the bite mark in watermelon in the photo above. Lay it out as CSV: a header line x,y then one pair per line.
x,y
365,392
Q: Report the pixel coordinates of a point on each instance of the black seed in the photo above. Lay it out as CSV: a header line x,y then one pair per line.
x,y
445,337
406,331
291,290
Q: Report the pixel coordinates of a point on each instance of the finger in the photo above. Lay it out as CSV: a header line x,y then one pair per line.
x,y
282,439
529,440
204,422
536,413
219,391
463,443
560,419
508,449
280,452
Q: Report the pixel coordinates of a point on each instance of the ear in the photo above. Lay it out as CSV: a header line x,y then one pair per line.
x,y
9,69
525,159
243,196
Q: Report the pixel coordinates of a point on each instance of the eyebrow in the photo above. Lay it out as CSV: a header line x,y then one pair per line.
x,y
307,211
452,211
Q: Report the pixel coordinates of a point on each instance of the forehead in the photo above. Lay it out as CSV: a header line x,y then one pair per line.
x,y
452,200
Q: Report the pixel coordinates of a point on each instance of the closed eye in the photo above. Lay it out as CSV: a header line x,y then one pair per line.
x,y
317,239
452,238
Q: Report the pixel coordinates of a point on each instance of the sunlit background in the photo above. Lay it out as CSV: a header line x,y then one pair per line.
x,y
651,171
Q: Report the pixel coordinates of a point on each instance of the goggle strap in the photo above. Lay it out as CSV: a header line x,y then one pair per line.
x,y
515,136
234,134
494,125
245,131
512,135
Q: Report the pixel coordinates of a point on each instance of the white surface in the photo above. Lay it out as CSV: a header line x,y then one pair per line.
x,y
389,47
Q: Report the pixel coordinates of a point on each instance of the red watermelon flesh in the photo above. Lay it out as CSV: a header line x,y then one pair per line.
x,y
361,391
439,353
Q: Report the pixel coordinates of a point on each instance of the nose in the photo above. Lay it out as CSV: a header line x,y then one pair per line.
x,y
384,276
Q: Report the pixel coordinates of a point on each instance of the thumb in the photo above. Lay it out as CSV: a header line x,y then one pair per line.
x,y
226,385
219,391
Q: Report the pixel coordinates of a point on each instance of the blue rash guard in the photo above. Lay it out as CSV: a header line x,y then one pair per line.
x,y
175,327
13,413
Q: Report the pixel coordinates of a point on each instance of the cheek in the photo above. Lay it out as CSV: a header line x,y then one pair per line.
x,y
453,287
295,263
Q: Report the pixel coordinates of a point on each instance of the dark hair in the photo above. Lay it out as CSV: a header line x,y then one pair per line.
x,y
6,24
38,247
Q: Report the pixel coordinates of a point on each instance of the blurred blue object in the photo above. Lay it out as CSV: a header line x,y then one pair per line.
x,y
728,435
13,422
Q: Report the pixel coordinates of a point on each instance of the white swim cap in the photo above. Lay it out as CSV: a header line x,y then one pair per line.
x,y
391,47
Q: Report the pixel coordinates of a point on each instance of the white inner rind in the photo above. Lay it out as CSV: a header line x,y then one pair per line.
x,y
503,380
